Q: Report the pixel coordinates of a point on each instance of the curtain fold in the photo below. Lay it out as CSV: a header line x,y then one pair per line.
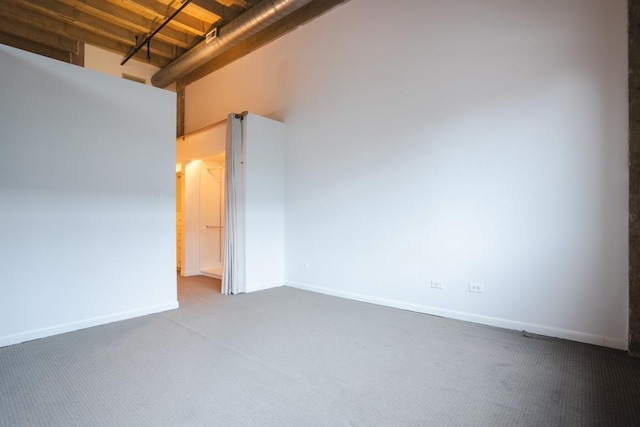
x,y
233,268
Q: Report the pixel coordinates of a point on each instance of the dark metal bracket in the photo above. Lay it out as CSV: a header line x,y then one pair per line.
x,y
147,39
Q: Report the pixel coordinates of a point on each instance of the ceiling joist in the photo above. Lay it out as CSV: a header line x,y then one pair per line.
x,y
9,25
34,47
120,16
158,10
225,13
75,24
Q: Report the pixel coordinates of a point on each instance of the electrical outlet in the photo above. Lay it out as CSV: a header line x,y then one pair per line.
x,y
477,288
436,284
304,266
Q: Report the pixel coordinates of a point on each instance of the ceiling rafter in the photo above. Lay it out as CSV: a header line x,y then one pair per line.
x,y
9,25
120,16
156,9
79,26
225,13
61,18
35,47
49,31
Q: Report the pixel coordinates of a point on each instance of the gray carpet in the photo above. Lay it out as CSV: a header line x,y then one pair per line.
x,y
286,357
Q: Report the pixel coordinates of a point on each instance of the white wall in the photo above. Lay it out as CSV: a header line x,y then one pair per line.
x,y
109,63
87,190
264,203
459,141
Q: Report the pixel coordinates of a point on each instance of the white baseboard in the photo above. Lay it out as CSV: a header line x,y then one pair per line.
x,y
87,323
263,286
190,273
617,343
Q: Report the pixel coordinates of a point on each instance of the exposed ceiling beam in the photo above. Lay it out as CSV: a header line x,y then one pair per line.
x,y
280,28
184,21
147,39
18,29
33,47
242,3
81,26
120,16
224,12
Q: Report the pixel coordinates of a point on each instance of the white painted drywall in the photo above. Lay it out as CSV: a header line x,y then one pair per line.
x,y
87,192
98,59
191,220
458,141
264,203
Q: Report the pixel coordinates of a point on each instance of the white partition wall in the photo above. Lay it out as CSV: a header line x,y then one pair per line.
x,y
87,191
264,203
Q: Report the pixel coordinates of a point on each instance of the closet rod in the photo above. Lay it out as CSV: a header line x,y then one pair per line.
x,y
212,125
202,129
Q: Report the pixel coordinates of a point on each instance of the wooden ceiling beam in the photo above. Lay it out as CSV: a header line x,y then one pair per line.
x,y
81,26
240,3
19,29
225,13
34,47
9,25
157,9
120,16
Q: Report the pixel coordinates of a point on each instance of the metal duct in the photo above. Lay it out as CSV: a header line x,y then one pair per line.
x,y
244,26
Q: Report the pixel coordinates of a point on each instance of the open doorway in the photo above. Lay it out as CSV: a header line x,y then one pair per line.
x,y
200,217
200,224
212,215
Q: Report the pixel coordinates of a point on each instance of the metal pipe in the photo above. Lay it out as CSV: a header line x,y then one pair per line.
x,y
202,129
244,26
147,40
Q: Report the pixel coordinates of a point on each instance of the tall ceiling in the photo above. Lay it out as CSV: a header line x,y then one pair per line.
x,y
57,28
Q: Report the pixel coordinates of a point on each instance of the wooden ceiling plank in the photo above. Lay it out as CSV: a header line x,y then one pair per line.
x,y
16,28
223,12
120,16
52,8
84,21
239,3
81,26
203,13
33,47
183,21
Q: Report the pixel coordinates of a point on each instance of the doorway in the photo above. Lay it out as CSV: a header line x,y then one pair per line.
x,y
212,215
200,216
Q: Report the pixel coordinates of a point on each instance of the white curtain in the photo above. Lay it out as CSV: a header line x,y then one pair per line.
x,y
233,268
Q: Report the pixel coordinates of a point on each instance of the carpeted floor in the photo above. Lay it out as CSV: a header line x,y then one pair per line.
x,y
286,357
